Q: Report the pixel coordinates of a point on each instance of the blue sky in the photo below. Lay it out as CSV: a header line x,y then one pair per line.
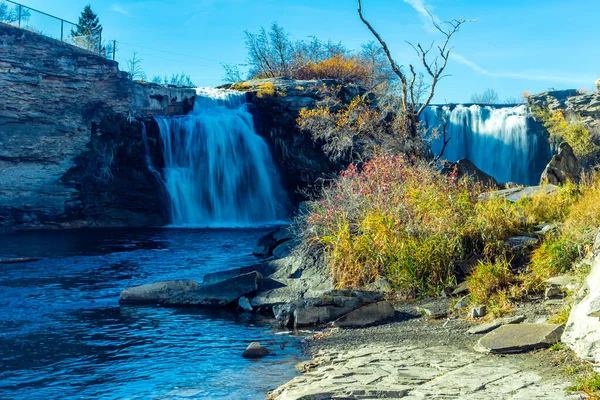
x,y
514,46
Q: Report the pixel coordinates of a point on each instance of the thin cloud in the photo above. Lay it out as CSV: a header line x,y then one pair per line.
x,y
425,13
119,9
519,75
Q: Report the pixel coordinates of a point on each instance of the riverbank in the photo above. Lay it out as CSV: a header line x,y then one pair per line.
x,y
414,357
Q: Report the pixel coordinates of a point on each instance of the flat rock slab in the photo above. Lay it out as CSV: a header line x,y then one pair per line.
x,y
154,293
434,310
516,194
519,338
219,294
497,323
370,314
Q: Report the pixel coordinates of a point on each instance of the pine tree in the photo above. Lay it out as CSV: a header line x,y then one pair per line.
x,y
89,27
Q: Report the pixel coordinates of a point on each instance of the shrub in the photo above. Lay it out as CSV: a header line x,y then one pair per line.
x,y
266,90
487,278
339,67
574,131
402,219
543,207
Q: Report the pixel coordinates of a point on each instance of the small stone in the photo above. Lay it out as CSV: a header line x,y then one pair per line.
x,y
462,303
553,292
434,311
461,288
255,350
244,304
479,311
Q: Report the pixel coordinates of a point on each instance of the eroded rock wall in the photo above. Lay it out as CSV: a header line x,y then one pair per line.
x,y
71,150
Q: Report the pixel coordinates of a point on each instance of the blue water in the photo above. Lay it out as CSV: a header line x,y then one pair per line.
x,y
63,334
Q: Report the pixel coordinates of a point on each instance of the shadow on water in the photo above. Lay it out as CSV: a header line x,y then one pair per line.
x,y
63,334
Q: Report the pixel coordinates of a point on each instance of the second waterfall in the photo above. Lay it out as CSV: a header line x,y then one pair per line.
x,y
218,172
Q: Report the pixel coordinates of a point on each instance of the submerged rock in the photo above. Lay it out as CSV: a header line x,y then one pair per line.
x,y
219,294
519,338
154,293
255,350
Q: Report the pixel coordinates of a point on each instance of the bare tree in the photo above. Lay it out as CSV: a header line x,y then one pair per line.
x,y
410,82
489,96
134,68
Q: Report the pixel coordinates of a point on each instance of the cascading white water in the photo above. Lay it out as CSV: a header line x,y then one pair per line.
x,y
495,139
218,172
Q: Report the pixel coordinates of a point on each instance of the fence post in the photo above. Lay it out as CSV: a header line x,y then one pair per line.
x,y
20,15
114,49
62,25
100,45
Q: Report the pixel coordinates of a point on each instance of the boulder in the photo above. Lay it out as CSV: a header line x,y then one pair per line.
x,y
284,249
565,282
563,167
464,167
553,292
267,243
265,269
461,288
255,350
219,294
582,333
519,338
462,302
154,293
370,314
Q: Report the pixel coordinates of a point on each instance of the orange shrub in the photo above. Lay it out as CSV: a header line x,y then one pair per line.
x,y
345,69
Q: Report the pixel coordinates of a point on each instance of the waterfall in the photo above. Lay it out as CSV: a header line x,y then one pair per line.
x,y
218,172
496,139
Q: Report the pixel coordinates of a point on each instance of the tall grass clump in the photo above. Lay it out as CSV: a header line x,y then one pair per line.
x,y
401,219
575,235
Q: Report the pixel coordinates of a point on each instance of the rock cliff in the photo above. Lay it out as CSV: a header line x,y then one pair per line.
x,y
71,152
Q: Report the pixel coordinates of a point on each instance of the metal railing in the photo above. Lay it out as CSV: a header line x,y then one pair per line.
x,y
28,18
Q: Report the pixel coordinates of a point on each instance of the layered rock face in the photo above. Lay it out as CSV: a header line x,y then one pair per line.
x,y
71,153
276,103
586,105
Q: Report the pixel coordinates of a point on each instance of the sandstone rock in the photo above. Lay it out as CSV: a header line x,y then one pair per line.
x,y
370,314
479,311
244,304
154,293
218,294
464,167
255,350
519,338
490,326
563,167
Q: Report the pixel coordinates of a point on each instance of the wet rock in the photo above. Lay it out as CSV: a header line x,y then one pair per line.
x,y
219,294
563,167
370,314
284,249
244,304
490,326
255,350
154,293
479,312
267,243
433,310
465,167
519,338
284,314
